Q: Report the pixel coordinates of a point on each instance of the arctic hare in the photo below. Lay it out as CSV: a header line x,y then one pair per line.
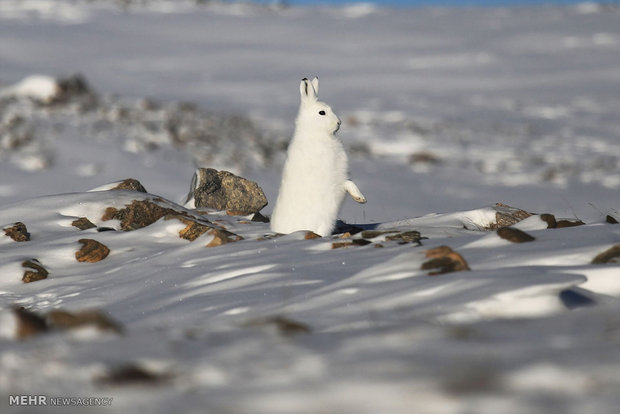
x,y
315,175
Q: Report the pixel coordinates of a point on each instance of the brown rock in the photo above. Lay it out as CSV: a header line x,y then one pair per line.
x,y
445,260
130,184
92,251
354,242
285,326
29,324
18,232
611,255
222,190
139,214
193,228
405,237
221,237
514,235
311,235
60,319
507,216
83,223
569,223
550,220
132,374
34,271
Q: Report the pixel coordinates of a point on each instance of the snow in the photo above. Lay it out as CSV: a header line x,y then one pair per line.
x,y
445,113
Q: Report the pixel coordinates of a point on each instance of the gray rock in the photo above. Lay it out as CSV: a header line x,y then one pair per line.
x,y
222,190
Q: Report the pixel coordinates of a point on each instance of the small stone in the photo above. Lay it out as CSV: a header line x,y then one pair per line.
x,y
130,184
259,218
569,223
92,251
29,324
138,214
311,235
406,237
611,255
286,326
222,190
83,223
550,220
354,242
611,219
193,228
60,319
34,271
18,232
507,216
514,235
132,374
221,237
445,260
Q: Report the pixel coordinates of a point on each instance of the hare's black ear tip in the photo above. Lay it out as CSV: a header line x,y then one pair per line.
x,y
304,80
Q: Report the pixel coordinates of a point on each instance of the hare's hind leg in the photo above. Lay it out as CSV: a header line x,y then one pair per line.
x,y
354,192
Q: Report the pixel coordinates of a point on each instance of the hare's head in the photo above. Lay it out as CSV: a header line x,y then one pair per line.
x,y
314,114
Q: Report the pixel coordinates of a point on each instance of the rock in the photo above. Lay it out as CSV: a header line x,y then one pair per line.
x,y
29,324
83,223
514,235
63,320
222,190
193,229
286,326
139,214
92,251
550,220
354,242
259,218
611,255
221,237
405,237
34,271
68,89
311,235
507,216
130,184
569,223
611,219
18,232
132,374
444,260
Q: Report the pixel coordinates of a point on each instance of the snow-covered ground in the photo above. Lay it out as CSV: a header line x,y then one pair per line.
x,y
446,112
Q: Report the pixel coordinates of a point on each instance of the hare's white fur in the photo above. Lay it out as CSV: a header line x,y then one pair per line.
x,y
315,174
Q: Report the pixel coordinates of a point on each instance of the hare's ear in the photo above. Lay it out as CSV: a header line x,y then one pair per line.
x,y
315,85
306,90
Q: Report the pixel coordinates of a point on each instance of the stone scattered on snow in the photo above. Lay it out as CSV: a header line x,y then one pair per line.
x,y
63,320
83,223
130,184
444,260
514,235
91,251
34,271
18,232
132,374
611,255
223,190
507,216
28,324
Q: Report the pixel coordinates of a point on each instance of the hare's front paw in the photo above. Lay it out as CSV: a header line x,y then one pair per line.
x,y
360,199
356,194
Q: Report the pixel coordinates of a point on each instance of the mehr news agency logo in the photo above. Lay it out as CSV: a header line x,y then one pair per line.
x,y
47,401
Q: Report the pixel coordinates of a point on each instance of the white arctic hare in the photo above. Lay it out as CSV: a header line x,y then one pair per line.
x,y
315,175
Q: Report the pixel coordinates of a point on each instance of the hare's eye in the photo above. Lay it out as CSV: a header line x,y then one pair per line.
x,y
321,112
